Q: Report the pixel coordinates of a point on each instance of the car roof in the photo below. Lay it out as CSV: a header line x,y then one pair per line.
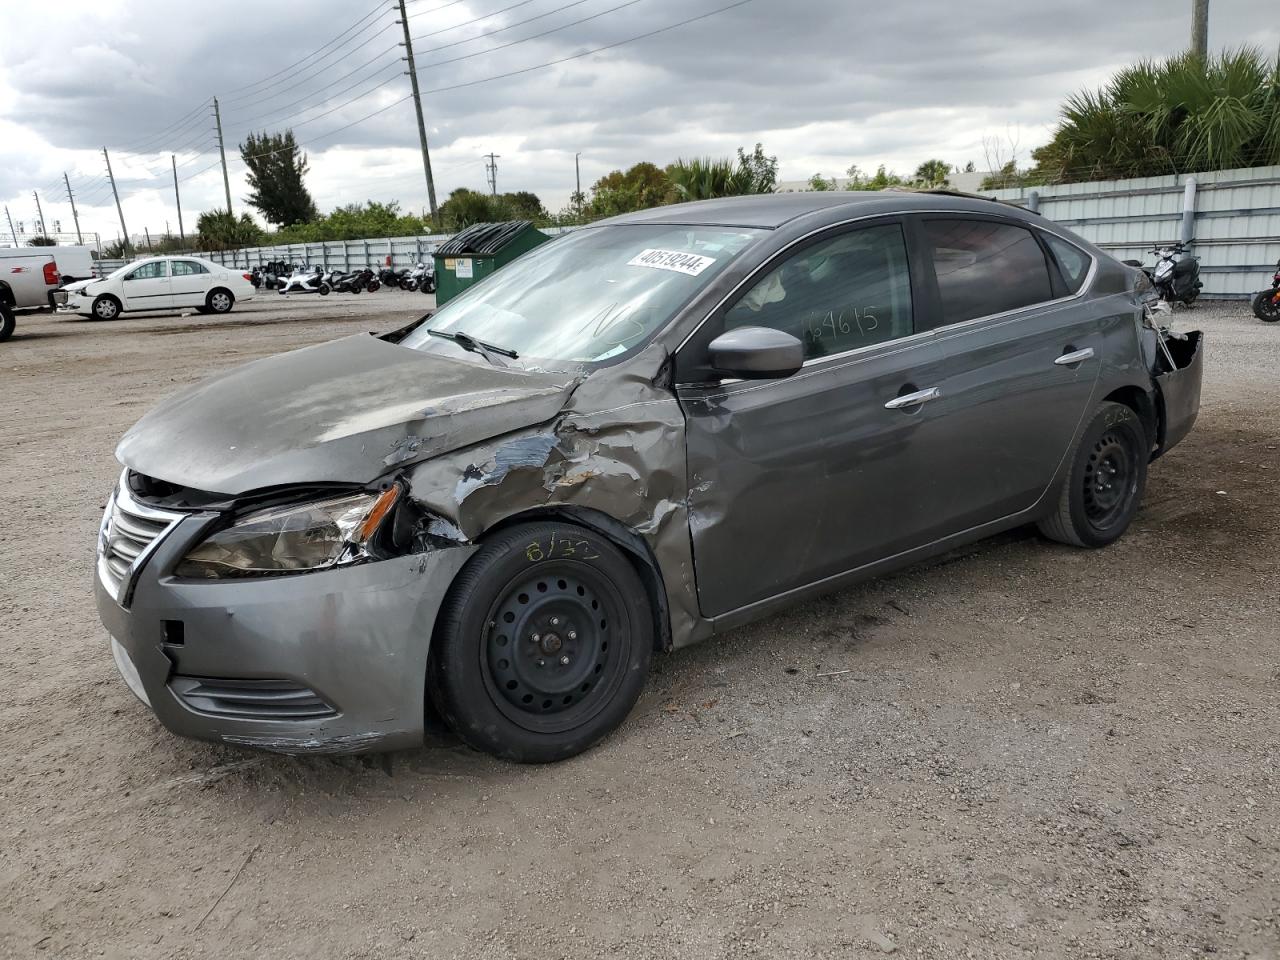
x,y
770,211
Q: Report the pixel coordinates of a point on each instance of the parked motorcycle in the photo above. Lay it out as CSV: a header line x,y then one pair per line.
x,y
305,280
255,277
1266,303
391,277
424,277
1176,275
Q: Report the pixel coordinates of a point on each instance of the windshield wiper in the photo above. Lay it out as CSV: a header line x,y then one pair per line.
x,y
470,343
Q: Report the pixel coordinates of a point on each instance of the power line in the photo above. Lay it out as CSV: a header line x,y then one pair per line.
x,y
466,23
275,116
314,53
510,26
319,68
587,53
172,129
536,36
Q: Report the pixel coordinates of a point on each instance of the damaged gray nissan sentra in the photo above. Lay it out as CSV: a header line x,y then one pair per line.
x,y
641,434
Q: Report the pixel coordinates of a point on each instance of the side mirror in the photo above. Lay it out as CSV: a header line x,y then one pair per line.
x,y
756,353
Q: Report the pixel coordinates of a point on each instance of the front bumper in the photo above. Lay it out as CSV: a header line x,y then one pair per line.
x,y
355,637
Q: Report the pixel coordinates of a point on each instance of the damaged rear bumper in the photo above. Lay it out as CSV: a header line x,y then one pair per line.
x,y
1179,390
328,662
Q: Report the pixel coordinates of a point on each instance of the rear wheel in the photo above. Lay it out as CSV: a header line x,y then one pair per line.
x,y
220,301
7,321
1266,306
1103,489
543,644
106,308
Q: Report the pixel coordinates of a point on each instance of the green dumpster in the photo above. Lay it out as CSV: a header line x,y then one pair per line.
x,y
468,257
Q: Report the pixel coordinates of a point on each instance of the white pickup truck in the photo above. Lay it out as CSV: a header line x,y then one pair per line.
x,y
28,277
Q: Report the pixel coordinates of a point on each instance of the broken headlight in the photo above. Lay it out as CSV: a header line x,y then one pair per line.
x,y
292,539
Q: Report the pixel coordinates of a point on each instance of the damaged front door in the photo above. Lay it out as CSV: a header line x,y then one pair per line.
x,y
798,479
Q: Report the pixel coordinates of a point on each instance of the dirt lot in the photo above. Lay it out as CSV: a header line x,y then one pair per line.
x,y
1026,750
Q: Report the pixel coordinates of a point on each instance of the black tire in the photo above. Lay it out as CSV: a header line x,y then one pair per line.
x,y
7,321
204,309
1265,306
428,287
374,286
220,300
323,289
545,699
105,307
1101,493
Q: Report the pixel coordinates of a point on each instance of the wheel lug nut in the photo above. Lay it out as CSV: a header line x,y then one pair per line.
x,y
555,621
564,661
534,638
572,634
542,663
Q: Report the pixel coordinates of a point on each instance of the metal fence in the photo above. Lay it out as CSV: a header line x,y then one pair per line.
x,y
1231,217
331,254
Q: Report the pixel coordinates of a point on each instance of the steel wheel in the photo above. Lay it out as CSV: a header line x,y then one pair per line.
x,y
1103,487
542,644
548,662
220,301
1109,480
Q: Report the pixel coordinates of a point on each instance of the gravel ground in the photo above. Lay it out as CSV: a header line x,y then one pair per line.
x,y
1026,750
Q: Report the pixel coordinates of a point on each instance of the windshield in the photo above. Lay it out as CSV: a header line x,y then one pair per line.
x,y
587,296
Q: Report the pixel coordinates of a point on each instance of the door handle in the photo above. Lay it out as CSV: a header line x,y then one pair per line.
x,y
1074,357
913,399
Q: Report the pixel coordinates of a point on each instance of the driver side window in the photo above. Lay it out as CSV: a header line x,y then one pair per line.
x,y
849,291
149,271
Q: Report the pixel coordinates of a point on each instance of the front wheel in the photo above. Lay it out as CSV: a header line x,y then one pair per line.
x,y
428,286
1104,485
323,289
106,308
543,643
7,321
1266,305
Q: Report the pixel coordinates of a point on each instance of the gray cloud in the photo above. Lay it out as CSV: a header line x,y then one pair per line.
x,y
822,82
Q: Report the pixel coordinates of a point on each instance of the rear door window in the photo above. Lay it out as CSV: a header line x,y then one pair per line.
x,y
187,268
984,267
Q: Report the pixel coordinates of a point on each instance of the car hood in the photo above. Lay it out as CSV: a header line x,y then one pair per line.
x,y
340,412
78,286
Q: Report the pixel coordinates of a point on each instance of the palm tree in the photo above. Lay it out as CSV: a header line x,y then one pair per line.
x,y
1181,115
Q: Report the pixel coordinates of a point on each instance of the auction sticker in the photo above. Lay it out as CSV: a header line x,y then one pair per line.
x,y
690,264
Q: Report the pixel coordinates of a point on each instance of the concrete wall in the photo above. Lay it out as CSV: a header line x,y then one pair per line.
x,y
1236,227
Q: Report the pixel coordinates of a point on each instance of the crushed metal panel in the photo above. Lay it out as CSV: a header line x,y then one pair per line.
x,y
617,447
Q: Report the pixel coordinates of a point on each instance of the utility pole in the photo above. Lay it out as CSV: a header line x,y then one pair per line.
x,y
71,198
222,150
40,214
1200,28
11,230
491,171
417,106
124,244
147,232
177,197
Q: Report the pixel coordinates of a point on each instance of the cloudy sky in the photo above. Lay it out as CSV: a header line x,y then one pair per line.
x,y
822,83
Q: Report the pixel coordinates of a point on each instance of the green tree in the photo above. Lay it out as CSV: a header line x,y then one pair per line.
x,y
1184,114
356,221
758,173
219,230
933,173
820,183
276,170
642,186
881,180
42,242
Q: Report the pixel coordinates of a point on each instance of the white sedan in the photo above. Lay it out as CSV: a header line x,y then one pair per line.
x,y
160,283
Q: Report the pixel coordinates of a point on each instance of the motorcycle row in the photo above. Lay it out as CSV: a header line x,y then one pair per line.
x,y
290,278
1176,278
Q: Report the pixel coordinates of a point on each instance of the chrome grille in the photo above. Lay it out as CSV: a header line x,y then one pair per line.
x,y
130,531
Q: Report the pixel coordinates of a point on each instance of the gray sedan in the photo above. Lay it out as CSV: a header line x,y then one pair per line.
x,y
644,433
